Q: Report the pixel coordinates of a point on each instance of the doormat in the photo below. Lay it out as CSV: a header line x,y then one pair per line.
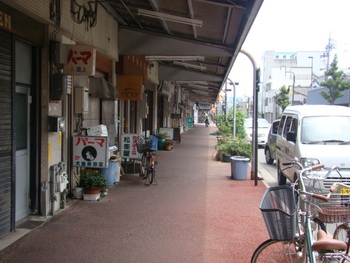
x,y
31,224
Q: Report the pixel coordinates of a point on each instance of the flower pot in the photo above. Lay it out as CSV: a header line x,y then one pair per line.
x,y
226,158
161,143
91,197
78,192
93,191
168,147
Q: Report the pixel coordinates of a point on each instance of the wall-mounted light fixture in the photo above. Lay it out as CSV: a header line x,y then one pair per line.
x,y
171,18
56,124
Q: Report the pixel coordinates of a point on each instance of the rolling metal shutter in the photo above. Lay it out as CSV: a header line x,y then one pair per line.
x,y
5,133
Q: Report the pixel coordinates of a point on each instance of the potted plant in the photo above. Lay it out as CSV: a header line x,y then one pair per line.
x,y
161,140
93,182
168,145
229,146
224,149
78,189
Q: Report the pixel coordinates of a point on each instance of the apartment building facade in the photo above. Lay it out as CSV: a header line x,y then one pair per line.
x,y
295,71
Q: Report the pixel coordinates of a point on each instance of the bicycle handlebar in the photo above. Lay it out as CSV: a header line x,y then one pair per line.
x,y
335,186
314,167
319,197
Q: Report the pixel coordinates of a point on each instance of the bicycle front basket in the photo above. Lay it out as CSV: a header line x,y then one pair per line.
x,y
143,145
337,209
278,207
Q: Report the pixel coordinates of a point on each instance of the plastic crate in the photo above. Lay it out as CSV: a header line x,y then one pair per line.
x,y
278,207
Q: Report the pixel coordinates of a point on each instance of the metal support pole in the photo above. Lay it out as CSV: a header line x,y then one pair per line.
x,y
225,99
292,86
234,105
254,170
234,110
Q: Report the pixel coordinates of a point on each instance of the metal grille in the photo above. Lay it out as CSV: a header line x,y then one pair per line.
x,y
333,179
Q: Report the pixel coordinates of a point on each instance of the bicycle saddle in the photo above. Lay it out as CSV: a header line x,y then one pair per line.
x,y
326,242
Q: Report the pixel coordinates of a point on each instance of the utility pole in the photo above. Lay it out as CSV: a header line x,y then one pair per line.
x,y
327,54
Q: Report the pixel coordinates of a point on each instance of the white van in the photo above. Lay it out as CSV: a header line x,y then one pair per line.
x,y
314,134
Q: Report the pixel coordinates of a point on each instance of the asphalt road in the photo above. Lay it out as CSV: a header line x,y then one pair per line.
x,y
267,171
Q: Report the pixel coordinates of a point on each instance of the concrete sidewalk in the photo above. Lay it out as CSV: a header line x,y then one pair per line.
x,y
196,213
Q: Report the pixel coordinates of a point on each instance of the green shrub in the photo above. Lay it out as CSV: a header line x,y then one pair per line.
x,y
90,178
234,147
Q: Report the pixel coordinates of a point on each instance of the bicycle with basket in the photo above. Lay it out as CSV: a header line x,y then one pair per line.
x,y
294,215
148,159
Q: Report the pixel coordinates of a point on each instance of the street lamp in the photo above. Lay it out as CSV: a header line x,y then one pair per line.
x,y
234,107
293,85
226,90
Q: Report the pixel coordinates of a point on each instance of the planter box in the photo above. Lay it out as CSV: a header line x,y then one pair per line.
x,y
92,197
226,158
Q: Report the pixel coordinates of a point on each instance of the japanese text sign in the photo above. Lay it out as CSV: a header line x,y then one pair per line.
x,y
81,60
130,87
129,148
90,151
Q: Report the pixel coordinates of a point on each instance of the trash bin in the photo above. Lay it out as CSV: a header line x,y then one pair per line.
x,y
239,167
117,178
154,142
110,173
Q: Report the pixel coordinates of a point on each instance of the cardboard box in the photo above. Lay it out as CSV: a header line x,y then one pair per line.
x,y
99,130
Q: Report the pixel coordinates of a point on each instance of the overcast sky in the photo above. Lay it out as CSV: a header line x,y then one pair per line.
x,y
294,25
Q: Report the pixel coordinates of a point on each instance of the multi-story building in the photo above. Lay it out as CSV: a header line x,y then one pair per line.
x,y
295,71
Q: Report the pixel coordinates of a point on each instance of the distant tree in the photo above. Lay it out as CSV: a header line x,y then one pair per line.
x,y
282,98
334,83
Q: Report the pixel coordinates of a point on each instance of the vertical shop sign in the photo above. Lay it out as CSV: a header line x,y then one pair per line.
x,y
129,148
90,151
81,60
190,122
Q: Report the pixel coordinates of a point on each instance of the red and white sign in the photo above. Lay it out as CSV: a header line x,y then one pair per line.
x,y
129,148
81,60
90,151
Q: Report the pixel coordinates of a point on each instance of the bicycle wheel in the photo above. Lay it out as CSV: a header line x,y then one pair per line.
x,y
150,176
342,233
275,251
143,165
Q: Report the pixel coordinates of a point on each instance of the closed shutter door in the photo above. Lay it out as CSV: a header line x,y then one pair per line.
x,y
5,132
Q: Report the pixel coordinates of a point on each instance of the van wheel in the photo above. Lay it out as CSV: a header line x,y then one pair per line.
x,y
268,158
282,180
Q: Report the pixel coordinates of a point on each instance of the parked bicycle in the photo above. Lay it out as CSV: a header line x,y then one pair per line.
x,y
341,214
148,159
293,215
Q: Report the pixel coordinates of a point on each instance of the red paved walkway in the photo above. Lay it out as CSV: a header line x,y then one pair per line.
x,y
196,213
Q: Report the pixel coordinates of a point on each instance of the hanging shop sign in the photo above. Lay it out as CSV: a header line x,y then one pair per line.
x,y
175,116
190,122
90,151
21,25
129,148
81,60
130,87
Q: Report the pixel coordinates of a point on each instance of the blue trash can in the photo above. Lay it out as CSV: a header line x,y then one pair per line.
x,y
110,173
154,142
239,167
